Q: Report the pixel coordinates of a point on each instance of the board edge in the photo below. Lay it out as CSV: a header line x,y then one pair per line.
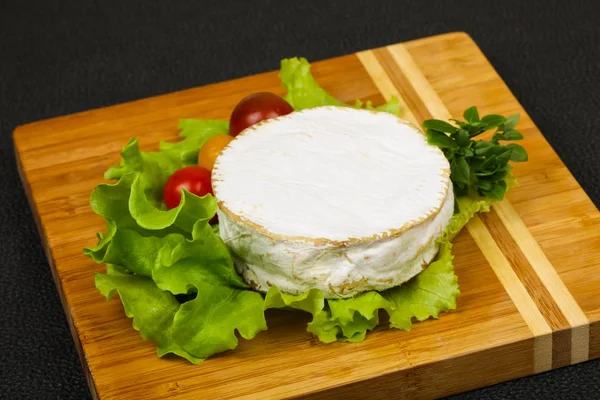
x,y
56,278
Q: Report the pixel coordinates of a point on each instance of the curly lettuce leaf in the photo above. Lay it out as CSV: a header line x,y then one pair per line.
x,y
195,329
427,295
311,301
140,253
207,324
153,169
154,256
223,304
303,91
355,316
392,106
153,310
135,200
195,133
206,249
468,207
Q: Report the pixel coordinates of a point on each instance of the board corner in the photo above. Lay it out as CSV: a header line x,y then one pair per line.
x,y
464,35
19,135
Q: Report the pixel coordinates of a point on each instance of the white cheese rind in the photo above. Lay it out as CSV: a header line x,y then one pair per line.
x,y
332,198
295,266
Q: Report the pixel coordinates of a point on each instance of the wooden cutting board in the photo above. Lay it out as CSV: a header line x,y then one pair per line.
x,y
529,271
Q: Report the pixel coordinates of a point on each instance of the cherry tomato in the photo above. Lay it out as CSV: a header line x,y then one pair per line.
x,y
255,108
195,180
211,149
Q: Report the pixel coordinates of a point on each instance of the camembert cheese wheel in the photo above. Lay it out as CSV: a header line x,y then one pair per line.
x,y
333,198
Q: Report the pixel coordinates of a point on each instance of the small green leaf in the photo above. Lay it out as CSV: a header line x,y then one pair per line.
x,y
508,135
484,185
488,149
503,157
440,140
462,138
482,144
462,124
460,189
489,170
512,134
496,138
500,174
492,121
482,147
476,162
497,150
469,153
460,171
475,129
471,114
518,153
511,121
489,162
497,192
438,125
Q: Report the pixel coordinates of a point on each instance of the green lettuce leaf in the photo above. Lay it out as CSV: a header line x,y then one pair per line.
x,y
207,324
205,249
311,301
195,329
392,106
135,199
153,310
195,133
357,315
304,92
468,206
426,295
156,256
153,168
163,267
141,254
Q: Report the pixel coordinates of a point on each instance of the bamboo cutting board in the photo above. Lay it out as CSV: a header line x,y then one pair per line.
x,y
529,271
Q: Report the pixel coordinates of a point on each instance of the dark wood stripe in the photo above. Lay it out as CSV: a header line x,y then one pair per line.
x,y
561,348
532,282
402,84
595,340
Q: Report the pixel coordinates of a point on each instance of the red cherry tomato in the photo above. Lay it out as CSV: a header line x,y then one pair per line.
x,y
255,108
195,180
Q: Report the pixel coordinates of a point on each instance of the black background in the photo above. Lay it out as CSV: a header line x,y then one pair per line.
x,y
63,56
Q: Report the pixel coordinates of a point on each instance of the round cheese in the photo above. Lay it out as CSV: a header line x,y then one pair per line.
x,y
333,198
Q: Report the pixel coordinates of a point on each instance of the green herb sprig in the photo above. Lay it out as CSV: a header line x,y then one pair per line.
x,y
478,165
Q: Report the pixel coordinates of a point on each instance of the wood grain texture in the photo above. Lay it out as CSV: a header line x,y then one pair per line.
x,y
529,272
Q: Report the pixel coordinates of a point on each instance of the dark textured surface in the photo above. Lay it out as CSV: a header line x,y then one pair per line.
x,y
63,56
